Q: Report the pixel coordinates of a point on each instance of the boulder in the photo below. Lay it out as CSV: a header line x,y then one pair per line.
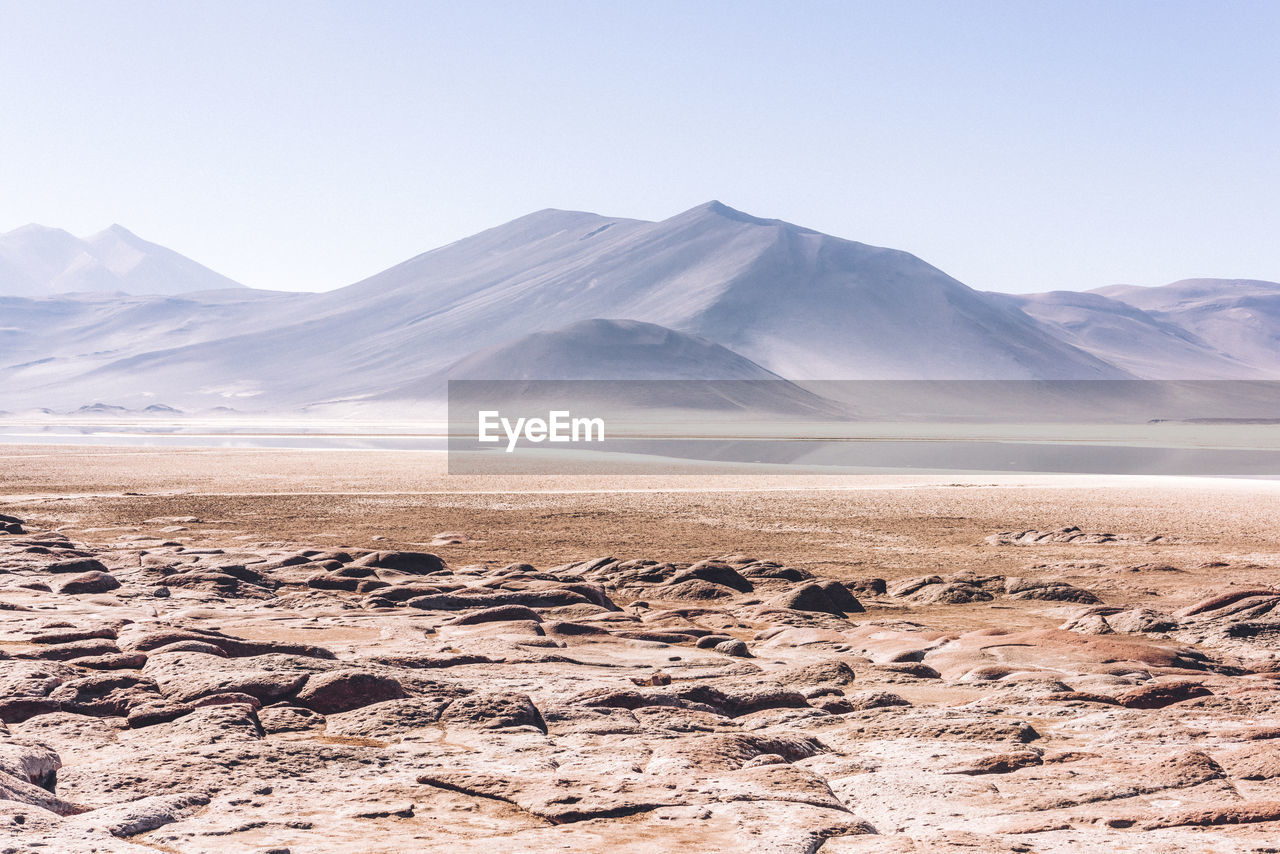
x,y
76,565
715,573
107,694
815,597
502,613
344,690
89,582
1161,694
410,563
494,711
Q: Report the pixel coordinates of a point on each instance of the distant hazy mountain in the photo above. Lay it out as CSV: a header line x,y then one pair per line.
x,y
1237,317
1193,329
68,351
598,349
39,261
799,303
621,352
712,288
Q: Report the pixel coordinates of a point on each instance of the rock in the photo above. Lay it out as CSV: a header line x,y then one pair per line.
x,y
697,590
343,690
27,775
227,698
999,763
277,719
769,570
1138,620
114,661
30,763
89,582
950,593
910,668
429,662
191,646
502,613
571,629
541,716
494,711
913,585
340,570
184,677
1161,694
874,700
411,563
74,649
868,586
322,581
554,598
1190,768
735,648
841,597
830,672
390,719
1081,697
152,641
1070,534
79,566
715,573
17,709
158,712
1089,624
392,811
1222,600
1252,764
105,694
1233,813
141,816
214,724
657,636
219,582
812,597
1057,593
63,636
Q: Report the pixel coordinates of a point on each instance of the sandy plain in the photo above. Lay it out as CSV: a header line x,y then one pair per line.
x,y
1030,662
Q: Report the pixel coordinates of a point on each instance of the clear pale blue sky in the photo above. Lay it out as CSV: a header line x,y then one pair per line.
x,y
298,144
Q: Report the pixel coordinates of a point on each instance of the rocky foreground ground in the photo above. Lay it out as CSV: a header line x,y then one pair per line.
x,y
162,696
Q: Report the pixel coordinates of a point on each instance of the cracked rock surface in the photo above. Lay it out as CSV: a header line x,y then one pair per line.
x,y
240,694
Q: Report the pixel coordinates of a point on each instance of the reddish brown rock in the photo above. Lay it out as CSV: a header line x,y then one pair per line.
x,y
343,690
1161,694
999,763
1238,813
89,582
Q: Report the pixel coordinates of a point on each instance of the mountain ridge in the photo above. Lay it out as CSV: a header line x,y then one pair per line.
x,y
797,303
38,260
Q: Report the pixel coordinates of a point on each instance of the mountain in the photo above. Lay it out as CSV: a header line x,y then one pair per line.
x,y
70,350
1193,329
799,303
795,302
618,363
1239,318
709,290
39,261
598,349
